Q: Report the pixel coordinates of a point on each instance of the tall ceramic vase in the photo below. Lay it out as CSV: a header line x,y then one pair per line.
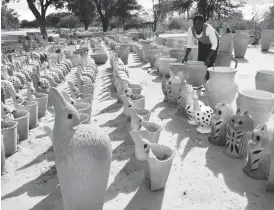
x,y
240,45
227,43
146,48
264,80
266,39
221,86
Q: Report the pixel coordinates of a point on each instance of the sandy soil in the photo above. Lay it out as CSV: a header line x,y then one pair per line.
x,y
202,177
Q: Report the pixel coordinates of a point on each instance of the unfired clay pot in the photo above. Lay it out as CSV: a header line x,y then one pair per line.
x,y
264,80
87,89
84,118
146,48
42,100
259,103
224,59
266,39
152,56
32,108
75,58
196,71
157,62
135,88
226,43
83,107
221,86
138,101
22,118
240,45
10,138
164,65
177,53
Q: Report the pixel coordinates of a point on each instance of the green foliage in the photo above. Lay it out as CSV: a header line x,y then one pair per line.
x,y
28,24
9,18
178,24
53,19
68,22
268,21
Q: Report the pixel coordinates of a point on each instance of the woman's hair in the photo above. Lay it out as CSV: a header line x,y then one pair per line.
x,y
198,17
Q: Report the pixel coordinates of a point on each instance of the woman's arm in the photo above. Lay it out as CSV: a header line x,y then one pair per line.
x,y
189,43
210,32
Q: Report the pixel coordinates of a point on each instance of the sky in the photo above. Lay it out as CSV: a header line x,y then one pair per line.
x,y
261,6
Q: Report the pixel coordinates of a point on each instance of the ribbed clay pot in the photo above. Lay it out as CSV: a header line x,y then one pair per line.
x,y
10,138
32,108
240,45
84,118
152,56
264,80
160,161
221,77
196,71
3,156
42,100
177,53
22,118
157,62
178,69
138,101
135,88
99,57
259,103
164,65
151,131
266,39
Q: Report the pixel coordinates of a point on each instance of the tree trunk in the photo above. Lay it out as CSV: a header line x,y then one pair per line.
x,y
154,26
86,24
105,24
43,29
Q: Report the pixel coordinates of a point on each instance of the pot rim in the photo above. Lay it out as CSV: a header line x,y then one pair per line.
x,y
154,146
23,117
177,64
168,59
195,63
267,72
222,69
8,121
249,93
33,103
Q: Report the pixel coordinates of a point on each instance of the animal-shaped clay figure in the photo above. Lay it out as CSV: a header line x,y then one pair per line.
x,y
31,92
74,91
165,88
189,106
3,157
238,132
3,95
83,80
222,114
181,100
14,80
6,112
174,83
41,85
202,115
82,157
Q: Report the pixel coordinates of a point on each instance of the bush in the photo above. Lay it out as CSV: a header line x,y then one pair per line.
x,y
178,24
68,22
50,39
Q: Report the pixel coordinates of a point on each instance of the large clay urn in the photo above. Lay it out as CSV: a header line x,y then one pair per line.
x,y
152,56
196,71
177,53
259,103
266,39
171,42
193,55
226,43
240,45
264,80
179,69
221,86
146,48
224,59
157,62
164,65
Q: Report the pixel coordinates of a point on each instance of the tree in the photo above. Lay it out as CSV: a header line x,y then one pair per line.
x,y
159,9
268,21
9,18
54,18
84,9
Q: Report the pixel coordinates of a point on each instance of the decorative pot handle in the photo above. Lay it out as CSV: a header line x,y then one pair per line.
x,y
236,62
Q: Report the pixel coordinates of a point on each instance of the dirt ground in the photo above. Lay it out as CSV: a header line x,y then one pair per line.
x,y
201,178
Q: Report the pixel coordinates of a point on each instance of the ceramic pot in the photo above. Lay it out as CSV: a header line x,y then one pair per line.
x,y
144,113
135,88
99,57
32,108
84,118
22,118
266,39
221,77
164,65
124,52
159,40
42,99
140,52
160,161
177,53
150,131
259,103
171,42
75,58
242,32
224,59
9,132
152,56
138,101
193,55
196,71
264,80
178,69
3,157
240,45
226,44
83,107
157,62
146,48
86,98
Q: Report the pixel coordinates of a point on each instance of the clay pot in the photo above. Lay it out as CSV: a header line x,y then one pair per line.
x,y
32,108
224,59
259,103
177,53
135,88
171,43
159,40
242,32
83,107
160,160
221,77
164,65
266,39
138,101
226,44
150,131
152,56
240,45
75,58
99,57
42,100
124,52
9,132
157,62
196,71
22,118
87,98
146,48
3,157
178,69
84,118
193,55
140,52
264,80
144,113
